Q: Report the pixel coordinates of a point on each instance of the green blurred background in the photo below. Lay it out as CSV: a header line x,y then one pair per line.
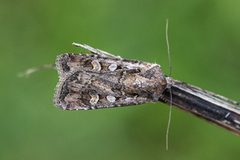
x,y
204,38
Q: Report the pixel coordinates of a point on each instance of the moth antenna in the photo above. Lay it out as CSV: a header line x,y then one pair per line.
x,y
31,70
169,86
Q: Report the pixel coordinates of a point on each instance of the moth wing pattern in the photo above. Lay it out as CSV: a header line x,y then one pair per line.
x,y
103,80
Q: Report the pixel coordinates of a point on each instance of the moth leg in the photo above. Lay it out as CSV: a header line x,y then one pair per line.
x,y
95,51
92,50
107,54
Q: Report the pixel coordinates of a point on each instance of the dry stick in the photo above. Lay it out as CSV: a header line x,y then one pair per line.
x,y
203,105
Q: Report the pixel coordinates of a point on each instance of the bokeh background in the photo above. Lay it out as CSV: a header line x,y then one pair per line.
x,y
204,38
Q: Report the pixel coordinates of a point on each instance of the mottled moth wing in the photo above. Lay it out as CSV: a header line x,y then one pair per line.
x,y
94,81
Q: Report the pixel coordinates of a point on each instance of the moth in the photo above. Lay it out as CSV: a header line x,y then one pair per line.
x,y
102,80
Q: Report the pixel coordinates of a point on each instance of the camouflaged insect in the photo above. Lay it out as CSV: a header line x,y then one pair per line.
x,y
102,80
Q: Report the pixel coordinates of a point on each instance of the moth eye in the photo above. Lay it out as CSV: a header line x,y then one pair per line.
x,y
112,67
94,98
96,65
111,98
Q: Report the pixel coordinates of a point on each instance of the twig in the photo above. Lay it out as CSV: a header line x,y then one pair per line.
x,y
203,105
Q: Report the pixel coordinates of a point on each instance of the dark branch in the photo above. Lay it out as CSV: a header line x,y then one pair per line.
x,y
199,103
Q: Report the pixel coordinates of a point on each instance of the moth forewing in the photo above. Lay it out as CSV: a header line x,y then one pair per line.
x,y
94,81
